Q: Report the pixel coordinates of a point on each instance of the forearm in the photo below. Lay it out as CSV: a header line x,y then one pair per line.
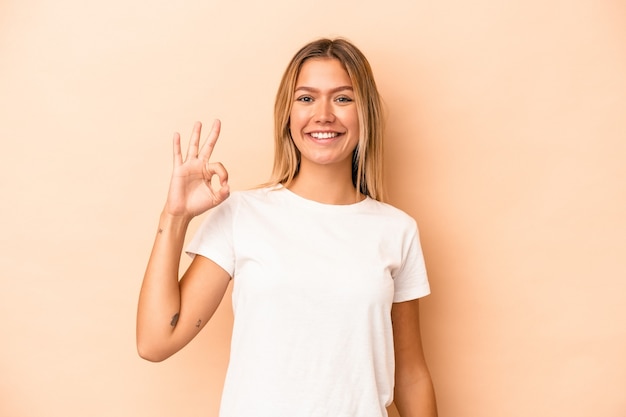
x,y
416,398
159,298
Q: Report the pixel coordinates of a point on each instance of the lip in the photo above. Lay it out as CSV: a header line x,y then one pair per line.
x,y
322,131
323,140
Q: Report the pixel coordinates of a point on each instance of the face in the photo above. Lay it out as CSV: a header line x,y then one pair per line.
x,y
324,123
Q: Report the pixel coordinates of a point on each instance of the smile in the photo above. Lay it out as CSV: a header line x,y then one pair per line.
x,y
324,135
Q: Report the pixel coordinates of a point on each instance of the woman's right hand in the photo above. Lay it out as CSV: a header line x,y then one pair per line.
x,y
191,192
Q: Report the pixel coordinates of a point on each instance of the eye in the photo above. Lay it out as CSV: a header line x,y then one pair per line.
x,y
305,99
343,99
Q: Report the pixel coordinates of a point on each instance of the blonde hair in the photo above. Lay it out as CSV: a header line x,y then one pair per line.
x,y
367,163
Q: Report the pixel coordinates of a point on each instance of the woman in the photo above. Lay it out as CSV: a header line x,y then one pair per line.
x,y
326,277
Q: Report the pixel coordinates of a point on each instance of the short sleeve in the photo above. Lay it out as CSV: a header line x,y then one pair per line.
x,y
214,238
411,280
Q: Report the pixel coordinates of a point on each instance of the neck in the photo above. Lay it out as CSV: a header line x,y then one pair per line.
x,y
324,184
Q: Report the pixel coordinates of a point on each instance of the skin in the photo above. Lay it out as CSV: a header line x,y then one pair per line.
x,y
172,313
414,395
324,102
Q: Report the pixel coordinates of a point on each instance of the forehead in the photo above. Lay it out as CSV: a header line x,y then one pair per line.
x,y
323,72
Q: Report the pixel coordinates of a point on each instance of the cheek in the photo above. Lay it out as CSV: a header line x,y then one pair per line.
x,y
352,121
296,121
297,113
348,114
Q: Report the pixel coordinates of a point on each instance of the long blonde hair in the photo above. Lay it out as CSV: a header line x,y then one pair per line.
x,y
367,163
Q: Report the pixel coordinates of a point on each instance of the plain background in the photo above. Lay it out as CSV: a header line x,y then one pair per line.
x,y
506,140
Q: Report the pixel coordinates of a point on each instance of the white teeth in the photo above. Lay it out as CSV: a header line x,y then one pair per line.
x,y
324,135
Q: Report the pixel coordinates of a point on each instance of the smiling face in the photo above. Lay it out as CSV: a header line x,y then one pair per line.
x,y
324,122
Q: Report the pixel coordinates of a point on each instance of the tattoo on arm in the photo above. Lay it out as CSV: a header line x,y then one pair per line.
x,y
198,323
160,231
174,319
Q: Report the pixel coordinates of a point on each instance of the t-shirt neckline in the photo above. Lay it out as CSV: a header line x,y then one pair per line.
x,y
302,201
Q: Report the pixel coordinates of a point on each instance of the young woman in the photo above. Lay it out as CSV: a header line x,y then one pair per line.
x,y
326,277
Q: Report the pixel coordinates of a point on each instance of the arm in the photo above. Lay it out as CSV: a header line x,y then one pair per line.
x,y
170,313
414,393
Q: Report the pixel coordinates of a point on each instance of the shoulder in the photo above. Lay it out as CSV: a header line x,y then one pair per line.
x,y
389,222
250,199
252,195
392,214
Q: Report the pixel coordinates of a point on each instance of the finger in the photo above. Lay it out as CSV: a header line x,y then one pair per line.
x,y
178,156
218,169
194,141
207,148
224,192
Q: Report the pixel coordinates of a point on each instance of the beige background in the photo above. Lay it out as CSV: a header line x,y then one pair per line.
x,y
506,141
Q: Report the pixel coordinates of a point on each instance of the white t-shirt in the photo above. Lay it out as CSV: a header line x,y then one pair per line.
x,y
312,294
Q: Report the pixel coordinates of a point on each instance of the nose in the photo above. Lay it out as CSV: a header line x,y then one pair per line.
x,y
324,112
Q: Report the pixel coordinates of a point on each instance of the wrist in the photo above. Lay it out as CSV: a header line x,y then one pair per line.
x,y
168,221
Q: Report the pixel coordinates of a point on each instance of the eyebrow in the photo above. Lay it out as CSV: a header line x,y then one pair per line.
x,y
315,90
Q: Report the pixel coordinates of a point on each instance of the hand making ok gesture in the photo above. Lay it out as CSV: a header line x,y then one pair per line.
x,y
191,192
